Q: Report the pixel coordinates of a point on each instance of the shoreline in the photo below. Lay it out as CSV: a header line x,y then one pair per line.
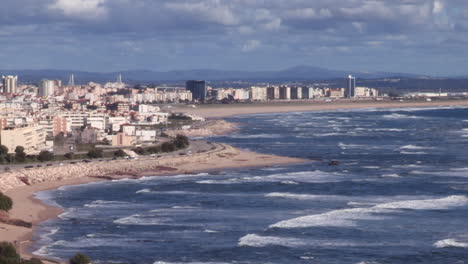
x,y
220,111
29,208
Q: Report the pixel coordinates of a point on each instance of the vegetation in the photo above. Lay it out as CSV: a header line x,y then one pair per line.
x,y
45,156
80,259
4,157
69,155
8,255
95,153
20,155
5,203
120,153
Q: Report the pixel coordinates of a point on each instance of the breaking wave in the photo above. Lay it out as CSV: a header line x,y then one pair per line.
x,y
349,217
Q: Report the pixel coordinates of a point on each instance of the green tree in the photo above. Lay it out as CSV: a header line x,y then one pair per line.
x,y
181,142
168,147
69,155
45,156
140,151
80,259
95,153
20,156
5,203
8,254
3,154
120,153
3,150
154,149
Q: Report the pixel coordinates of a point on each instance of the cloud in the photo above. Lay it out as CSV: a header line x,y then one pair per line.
x,y
212,10
251,45
234,31
81,9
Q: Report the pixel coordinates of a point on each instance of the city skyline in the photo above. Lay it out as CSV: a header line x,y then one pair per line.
x,y
419,36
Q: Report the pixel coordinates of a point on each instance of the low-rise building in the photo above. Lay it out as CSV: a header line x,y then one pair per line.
x,y
32,138
123,140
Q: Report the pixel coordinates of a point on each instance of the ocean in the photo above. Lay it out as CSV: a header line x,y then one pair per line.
x,y
398,195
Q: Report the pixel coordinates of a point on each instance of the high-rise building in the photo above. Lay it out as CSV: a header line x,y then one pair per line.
x,y
10,84
351,87
198,89
47,88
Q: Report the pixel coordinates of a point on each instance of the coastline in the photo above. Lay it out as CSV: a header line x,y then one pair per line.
x,y
28,208
222,111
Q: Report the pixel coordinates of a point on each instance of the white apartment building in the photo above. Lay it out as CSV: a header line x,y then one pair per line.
x,y
32,138
47,88
258,93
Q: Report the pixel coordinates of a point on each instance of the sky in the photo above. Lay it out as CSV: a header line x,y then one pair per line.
x,y
411,36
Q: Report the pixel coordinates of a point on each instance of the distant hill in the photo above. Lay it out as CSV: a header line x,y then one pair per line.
x,y
298,73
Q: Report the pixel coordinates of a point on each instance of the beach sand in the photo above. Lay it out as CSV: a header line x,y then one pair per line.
x,y
28,208
228,110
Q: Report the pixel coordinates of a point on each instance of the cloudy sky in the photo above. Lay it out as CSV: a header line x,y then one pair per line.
x,y
415,36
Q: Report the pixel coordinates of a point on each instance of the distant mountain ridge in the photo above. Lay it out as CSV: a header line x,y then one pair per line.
x,y
298,73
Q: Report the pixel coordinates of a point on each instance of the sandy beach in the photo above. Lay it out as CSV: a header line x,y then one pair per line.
x,y
23,184
28,208
228,110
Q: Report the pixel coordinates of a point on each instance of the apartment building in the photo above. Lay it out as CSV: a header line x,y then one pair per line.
x,y
32,138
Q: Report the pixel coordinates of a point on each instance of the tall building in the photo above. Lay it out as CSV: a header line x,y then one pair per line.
x,y
47,88
10,84
351,87
198,89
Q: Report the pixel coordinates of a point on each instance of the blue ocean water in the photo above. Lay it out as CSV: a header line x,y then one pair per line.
x,y
399,195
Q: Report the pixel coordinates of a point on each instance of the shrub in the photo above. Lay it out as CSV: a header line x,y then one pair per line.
x,y
181,142
154,150
69,155
8,254
168,147
3,150
80,259
5,203
120,153
140,151
20,156
95,153
45,156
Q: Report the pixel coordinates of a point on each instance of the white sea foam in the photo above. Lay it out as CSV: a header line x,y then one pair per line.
x,y
301,196
257,136
349,217
143,191
106,204
289,182
401,116
413,153
450,243
371,167
389,130
299,177
346,146
253,240
394,175
414,147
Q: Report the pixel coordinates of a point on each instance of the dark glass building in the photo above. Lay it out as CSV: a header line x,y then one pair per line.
x,y
351,89
198,89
